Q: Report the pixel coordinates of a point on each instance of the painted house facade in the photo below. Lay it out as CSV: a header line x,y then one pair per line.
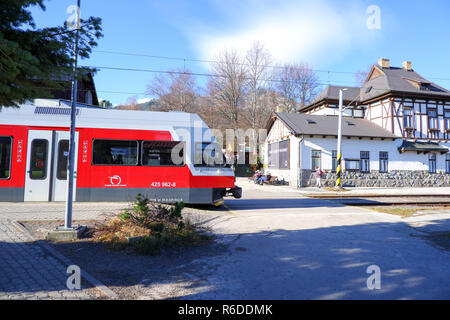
x,y
396,132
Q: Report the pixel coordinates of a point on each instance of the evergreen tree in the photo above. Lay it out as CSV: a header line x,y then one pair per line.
x,y
34,60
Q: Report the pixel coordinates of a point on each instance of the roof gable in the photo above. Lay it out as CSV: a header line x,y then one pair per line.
x,y
374,73
400,80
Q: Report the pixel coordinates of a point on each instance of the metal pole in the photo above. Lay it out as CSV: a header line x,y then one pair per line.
x,y
339,140
71,160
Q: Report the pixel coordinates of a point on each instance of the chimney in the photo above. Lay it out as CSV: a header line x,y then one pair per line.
x,y
279,109
407,65
384,63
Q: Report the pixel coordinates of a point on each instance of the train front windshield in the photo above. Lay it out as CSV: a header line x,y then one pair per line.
x,y
209,154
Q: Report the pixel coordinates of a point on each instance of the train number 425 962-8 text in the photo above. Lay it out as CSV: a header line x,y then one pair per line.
x,y
158,184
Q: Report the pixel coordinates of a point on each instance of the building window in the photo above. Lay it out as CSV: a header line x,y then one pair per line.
x,y
315,159
432,120
278,155
162,153
334,160
5,157
447,163
358,113
432,163
365,162
351,164
408,118
115,152
383,161
38,159
63,155
447,120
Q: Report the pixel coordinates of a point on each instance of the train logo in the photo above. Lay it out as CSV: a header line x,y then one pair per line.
x,y
115,180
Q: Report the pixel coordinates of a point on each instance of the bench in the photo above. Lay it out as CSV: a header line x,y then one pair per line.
x,y
272,180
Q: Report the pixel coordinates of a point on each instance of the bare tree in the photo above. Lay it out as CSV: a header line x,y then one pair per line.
x,y
208,113
257,60
175,91
270,100
361,75
130,104
228,86
298,84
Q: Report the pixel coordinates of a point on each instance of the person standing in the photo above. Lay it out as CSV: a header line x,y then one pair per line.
x,y
318,175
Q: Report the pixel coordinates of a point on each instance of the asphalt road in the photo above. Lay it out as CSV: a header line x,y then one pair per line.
x,y
283,246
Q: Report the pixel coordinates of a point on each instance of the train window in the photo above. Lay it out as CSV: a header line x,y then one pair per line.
x,y
5,157
38,159
208,154
63,155
162,153
115,152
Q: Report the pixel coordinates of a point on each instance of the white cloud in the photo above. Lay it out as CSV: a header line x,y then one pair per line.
x,y
144,100
292,31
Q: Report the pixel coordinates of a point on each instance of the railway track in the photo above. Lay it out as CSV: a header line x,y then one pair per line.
x,y
391,200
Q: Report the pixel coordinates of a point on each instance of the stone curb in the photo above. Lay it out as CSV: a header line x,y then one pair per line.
x,y
93,281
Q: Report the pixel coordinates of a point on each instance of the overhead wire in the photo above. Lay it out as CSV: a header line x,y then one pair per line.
x,y
245,64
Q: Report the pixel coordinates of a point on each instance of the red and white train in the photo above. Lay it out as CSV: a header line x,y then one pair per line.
x,y
119,154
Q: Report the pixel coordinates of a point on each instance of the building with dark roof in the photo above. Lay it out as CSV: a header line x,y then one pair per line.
x,y
86,92
317,125
396,132
397,99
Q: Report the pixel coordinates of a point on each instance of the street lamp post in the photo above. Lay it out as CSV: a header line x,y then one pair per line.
x,y
67,232
71,159
339,141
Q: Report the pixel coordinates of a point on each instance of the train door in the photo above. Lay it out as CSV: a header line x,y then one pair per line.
x,y
46,176
60,156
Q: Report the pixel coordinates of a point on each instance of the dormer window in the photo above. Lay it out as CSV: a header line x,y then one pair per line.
x,y
425,86
419,84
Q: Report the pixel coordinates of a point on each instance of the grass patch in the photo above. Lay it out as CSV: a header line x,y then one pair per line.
x,y
406,211
147,228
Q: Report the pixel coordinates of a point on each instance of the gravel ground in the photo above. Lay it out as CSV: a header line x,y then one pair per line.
x,y
132,276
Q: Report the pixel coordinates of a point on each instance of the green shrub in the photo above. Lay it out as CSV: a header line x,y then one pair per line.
x,y
158,226
125,215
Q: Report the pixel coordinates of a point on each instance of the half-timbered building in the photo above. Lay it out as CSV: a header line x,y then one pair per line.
x,y
396,132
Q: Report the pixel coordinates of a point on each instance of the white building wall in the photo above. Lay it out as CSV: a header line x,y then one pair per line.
x,y
351,149
289,175
279,132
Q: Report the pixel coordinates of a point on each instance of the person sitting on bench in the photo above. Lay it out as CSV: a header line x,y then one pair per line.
x,y
264,178
256,176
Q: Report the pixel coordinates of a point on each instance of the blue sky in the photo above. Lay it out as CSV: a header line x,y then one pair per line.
x,y
329,35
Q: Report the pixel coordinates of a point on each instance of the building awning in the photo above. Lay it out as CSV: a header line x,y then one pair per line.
x,y
420,147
